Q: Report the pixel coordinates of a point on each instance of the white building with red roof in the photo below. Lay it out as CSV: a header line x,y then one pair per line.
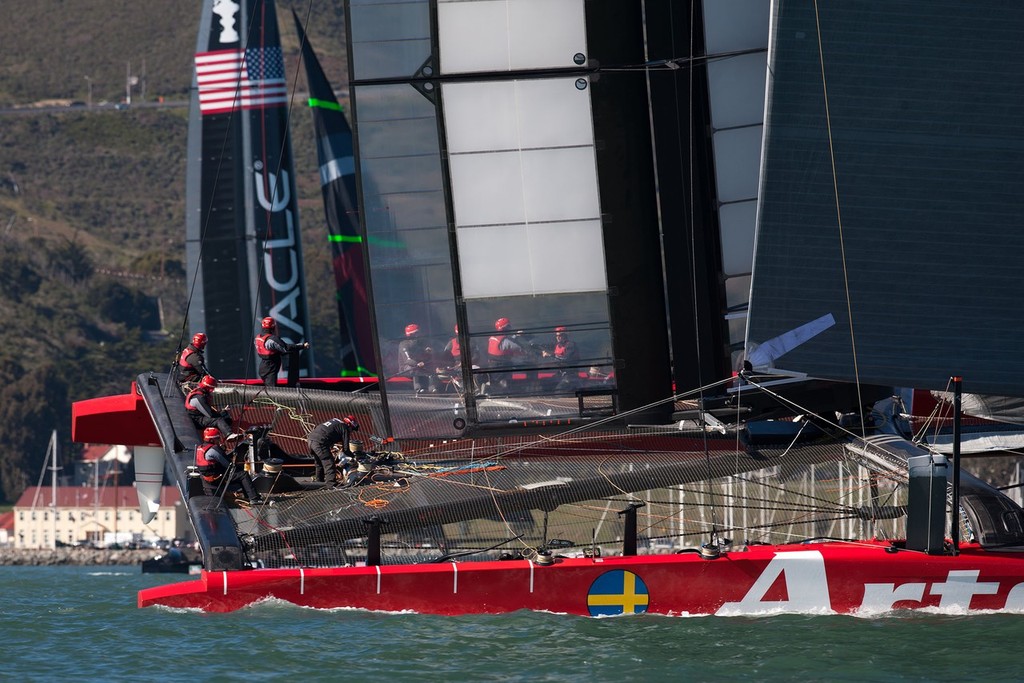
x,y
6,528
97,514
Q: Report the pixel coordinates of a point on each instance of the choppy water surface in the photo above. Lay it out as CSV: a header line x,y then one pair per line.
x,y
81,623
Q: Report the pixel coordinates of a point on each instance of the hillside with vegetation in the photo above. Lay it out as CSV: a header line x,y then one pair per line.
x,y
92,205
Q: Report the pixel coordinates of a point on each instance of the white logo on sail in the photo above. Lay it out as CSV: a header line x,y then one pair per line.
x,y
226,10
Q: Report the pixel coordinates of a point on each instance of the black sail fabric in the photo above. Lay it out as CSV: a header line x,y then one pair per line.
x,y
913,243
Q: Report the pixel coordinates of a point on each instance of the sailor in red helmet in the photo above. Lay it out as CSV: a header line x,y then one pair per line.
x,y
564,350
192,362
452,351
271,348
502,351
414,360
213,463
450,362
449,368
565,354
202,410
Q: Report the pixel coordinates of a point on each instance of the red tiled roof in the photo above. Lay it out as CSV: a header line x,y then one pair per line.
x,y
95,451
87,496
7,520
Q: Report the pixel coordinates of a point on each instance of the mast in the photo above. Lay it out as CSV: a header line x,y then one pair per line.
x,y
954,532
53,487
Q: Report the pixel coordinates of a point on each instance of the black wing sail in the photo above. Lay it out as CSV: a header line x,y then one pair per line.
x,y
917,260
243,245
338,182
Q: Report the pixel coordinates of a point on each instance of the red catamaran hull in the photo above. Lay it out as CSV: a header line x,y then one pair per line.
x,y
844,578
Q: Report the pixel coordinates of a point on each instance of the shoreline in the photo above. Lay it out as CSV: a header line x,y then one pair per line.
x,y
10,557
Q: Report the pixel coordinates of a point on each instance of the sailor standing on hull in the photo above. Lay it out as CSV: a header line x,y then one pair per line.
x,y
414,358
192,362
271,349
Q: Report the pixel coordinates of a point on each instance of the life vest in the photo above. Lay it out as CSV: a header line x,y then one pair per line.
x,y
192,394
261,345
207,467
494,346
560,350
456,350
183,361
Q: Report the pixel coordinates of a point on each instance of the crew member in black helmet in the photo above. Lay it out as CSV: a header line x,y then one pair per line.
x,y
271,348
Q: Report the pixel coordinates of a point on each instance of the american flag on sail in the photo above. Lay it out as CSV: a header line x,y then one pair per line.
x,y
240,79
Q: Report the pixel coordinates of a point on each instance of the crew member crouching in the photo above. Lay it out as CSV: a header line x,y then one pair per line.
x,y
214,465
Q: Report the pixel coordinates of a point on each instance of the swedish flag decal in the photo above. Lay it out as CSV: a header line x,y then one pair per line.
x,y
617,592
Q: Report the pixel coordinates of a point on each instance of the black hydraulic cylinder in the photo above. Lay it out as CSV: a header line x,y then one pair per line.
x,y
629,533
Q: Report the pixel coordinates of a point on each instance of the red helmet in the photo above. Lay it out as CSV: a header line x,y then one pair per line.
x,y
268,323
208,382
560,329
500,324
211,434
456,329
199,340
411,328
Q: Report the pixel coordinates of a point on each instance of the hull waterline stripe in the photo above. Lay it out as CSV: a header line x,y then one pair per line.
x,y
378,579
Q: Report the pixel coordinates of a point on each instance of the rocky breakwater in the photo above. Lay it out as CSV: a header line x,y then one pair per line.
x,y
76,556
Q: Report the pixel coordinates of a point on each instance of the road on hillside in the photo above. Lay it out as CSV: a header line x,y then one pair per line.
x,y
113,106
81,106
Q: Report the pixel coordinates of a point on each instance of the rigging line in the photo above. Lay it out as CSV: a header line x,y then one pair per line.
x,y
606,420
801,501
940,414
693,268
793,404
277,184
675,63
839,220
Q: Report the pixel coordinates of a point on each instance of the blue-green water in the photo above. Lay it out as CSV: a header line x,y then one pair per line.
x,y
81,624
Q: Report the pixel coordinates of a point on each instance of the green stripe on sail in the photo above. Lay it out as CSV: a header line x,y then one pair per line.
x,y
360,372
324,104
357,239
